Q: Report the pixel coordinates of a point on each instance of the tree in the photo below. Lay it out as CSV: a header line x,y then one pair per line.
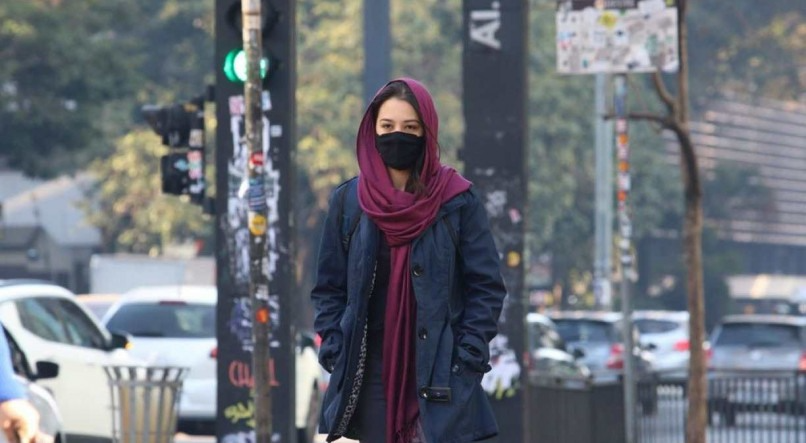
x,y
676,119
62,63
747,47
128,207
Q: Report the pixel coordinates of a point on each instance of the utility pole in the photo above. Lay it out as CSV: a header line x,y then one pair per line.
x,y
495,35
258,219
625,235
377,47
603,222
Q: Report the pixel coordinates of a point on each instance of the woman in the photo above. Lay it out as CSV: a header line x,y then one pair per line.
x,y
407,303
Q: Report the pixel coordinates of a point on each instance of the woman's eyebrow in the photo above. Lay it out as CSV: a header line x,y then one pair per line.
x,y
413,120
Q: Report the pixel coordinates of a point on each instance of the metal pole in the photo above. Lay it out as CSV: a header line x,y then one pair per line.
x,y
258,221
603,221
377,47
625,233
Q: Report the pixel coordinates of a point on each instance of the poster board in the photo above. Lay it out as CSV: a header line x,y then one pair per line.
x,y
616,36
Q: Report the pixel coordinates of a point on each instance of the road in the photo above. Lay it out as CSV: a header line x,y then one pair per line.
x,y
186,438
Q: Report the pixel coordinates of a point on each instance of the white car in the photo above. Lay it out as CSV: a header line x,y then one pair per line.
x,y
50,420
47,324
665,334
164,319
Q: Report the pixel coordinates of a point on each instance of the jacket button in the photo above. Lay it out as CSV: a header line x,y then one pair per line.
x,y
417,270
422,333
424,393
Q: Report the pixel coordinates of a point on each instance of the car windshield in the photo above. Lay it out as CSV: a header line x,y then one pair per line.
x,y
590,331
170,320
654,326
758,335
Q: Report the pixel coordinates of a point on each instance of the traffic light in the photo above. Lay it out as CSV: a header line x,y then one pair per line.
x,y
174,171
181,127
171,123
233,64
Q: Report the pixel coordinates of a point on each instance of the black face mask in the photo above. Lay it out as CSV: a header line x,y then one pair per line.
x,y
400,150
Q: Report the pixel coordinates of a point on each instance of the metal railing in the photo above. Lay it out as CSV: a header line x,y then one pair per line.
x,y
743,406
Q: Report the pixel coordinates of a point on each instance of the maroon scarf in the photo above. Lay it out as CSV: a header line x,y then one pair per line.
x,y
402,217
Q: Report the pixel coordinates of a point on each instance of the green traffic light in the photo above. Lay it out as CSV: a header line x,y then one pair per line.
x,y
235,66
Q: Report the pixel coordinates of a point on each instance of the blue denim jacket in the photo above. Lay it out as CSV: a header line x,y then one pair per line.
x,y
459,296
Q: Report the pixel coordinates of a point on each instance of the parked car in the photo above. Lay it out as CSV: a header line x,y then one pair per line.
x,y
665,334
757,362
162,319
97,304
50,420
548,356
47,324
597,337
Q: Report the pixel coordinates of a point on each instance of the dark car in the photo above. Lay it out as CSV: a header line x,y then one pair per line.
x,y
757,362
548,356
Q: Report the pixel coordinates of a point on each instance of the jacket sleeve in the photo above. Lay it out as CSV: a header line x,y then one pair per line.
x,y
329,294
10,388
483,286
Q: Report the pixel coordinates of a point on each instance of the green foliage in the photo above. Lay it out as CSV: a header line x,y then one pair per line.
x,y
747,46
61,62
75,74
128,207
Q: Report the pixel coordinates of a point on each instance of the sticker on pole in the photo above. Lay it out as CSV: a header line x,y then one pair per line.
x,y
616,36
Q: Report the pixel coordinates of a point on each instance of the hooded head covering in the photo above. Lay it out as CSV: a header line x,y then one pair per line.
x,y
402,217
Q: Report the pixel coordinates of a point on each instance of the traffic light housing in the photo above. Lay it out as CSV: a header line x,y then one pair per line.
x,y
181,128
233,64
172,123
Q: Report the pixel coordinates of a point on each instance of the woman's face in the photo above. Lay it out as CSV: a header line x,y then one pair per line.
x,y
396,115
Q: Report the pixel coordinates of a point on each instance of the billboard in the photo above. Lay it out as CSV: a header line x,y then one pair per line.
x,y
616,36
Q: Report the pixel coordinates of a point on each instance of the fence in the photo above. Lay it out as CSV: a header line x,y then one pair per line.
x,y
743,407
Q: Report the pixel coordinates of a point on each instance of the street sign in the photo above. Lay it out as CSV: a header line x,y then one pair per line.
x,y
616,36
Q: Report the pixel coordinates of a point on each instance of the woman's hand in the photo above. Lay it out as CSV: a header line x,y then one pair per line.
x,y
20,422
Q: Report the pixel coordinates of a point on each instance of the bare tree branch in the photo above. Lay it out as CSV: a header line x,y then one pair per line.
x,y
666,121
663,92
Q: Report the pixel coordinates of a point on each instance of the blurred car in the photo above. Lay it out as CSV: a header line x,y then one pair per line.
x,y
47,324
757,362
665,334
596,336
50,420
599,338
162,319
98,304
547,351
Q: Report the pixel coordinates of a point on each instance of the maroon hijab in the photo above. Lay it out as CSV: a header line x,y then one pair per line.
x,y
402,217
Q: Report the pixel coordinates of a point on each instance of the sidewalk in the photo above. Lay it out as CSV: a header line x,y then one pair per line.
x,y
321,439
186,438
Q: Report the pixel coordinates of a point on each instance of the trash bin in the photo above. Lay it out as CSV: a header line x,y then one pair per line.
x,y
144,402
